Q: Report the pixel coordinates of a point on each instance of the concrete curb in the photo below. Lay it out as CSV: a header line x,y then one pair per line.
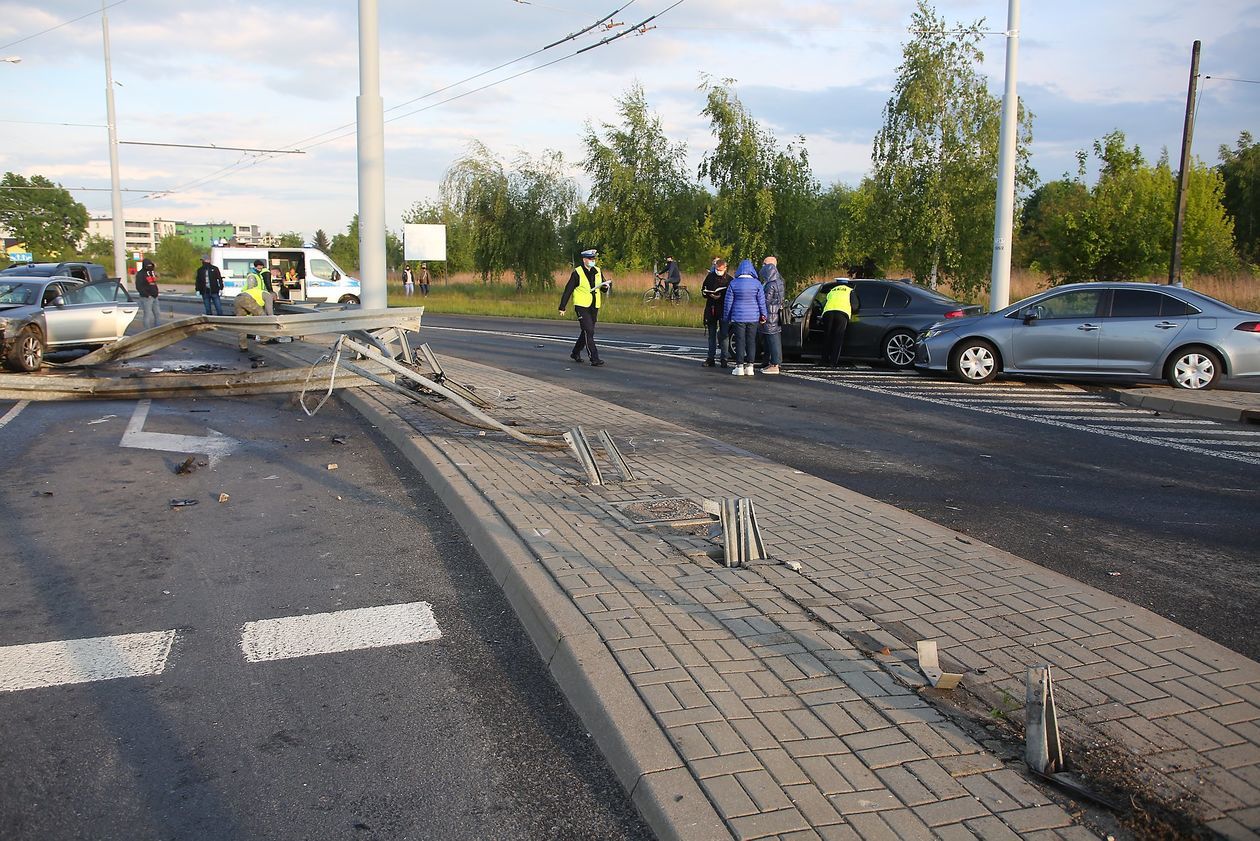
x,y
1192,408
666,794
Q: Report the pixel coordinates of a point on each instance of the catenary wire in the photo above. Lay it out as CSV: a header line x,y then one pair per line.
x,y
63,23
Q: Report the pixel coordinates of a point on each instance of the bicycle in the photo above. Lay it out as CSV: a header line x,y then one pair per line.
x,y
658,293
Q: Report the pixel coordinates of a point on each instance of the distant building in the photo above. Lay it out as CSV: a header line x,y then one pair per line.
x,y
140,235
204,236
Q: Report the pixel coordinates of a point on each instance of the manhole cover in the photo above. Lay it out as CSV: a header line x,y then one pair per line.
x,y
677,509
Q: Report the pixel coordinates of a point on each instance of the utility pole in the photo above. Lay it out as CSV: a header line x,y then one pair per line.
x,y
1004,219
1187,137
371,140
120,237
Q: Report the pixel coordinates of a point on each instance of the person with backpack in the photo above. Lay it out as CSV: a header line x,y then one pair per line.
x,y
772,331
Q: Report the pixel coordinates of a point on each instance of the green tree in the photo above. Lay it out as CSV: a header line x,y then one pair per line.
x,y
1240,170
518,217
176,257
292,239
639,207
97,249
1121,228
320,241
768,200
393,250
856,240
344,248
935,158
42,215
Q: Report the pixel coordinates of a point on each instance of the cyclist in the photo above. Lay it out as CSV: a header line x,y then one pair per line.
x,y
672,277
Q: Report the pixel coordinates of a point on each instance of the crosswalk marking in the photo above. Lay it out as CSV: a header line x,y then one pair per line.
x,y
345,630
42,664
13,412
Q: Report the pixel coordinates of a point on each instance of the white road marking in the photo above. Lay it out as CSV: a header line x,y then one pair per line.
x,y
214,446
43,664
344,630
1216,441
13,412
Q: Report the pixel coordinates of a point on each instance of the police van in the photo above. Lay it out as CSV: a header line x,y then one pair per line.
x,y
297,274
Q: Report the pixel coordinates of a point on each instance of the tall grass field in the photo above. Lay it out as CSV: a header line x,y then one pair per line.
x,y
466,294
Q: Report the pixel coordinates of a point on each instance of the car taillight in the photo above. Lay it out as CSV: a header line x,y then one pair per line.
x,y
955,314
1249,327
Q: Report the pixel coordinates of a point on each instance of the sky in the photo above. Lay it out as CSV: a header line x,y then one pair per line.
x,y
281,74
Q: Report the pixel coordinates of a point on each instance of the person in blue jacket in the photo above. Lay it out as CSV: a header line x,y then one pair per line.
x,y
744,309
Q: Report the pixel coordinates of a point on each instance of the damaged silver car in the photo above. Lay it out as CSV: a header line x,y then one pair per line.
x,y
42,314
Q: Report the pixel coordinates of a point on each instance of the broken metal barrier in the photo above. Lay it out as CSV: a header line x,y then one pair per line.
x,y
741,536
581,447
1043,749
438,375
930,664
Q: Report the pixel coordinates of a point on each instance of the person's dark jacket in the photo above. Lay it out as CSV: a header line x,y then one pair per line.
x,y
209,280
146,281
714,291
772,283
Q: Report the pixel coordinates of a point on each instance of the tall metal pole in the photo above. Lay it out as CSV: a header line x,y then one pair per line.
x,y
371,114
120,237
1004,219
1187,137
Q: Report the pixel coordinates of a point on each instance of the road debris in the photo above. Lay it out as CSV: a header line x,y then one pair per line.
x,y
188,466
183,503
223,498
340,439
332,466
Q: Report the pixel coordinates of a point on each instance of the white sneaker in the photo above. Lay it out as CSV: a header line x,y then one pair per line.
x,y
748,371
738,371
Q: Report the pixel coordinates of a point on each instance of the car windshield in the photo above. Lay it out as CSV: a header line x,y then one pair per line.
x,y
20,294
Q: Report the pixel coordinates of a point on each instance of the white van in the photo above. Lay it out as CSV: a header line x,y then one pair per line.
x,y
298,274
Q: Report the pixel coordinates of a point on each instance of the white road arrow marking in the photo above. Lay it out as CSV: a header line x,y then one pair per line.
x,y
214,446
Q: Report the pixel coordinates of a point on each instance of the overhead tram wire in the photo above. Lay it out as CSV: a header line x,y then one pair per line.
x,y
63,23
241,165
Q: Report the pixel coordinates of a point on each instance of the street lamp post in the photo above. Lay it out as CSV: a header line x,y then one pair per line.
x,y
371,141
1004,219
120,244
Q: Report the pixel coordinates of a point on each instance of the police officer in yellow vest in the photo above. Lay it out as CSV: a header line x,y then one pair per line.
x,y
255,300
258,285
836,313
586,287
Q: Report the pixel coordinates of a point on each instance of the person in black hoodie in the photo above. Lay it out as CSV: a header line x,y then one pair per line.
x,y
209,285
714,292
146,285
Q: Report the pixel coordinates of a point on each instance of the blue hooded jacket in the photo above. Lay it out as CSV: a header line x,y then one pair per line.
x,y
745,297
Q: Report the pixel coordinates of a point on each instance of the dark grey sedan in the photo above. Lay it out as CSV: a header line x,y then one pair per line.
x,y
1123,331
889,316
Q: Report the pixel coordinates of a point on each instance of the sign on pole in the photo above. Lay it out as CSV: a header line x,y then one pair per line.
x,y
424,242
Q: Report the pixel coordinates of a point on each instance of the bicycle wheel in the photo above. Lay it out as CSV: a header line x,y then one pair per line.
x,y
651,297
683,296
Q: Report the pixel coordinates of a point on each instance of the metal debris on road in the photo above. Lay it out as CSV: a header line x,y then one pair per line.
x,y
183,503
340,439
188,466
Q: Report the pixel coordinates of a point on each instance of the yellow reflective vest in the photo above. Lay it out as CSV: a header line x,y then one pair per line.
x,y
255,286
838,299
584,295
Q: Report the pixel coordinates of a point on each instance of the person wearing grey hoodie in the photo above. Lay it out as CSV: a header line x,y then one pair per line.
x,y
771,331
744,308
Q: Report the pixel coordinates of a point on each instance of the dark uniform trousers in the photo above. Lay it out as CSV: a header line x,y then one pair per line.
x,y
835,322
587,316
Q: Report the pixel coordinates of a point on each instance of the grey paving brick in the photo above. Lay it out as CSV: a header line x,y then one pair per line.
x,y
992,829
1022,792
908,788
857,802
1037,817
951,811
724,765
764,790
768,824
838,832
728,796
754,734
785,768
813,803
858,773
823,774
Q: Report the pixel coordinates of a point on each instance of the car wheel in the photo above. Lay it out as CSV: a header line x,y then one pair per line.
x,y
974,361
27,352
898,349
348,299
1194,368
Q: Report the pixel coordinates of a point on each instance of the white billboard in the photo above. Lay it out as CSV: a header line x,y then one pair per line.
x,y
424,242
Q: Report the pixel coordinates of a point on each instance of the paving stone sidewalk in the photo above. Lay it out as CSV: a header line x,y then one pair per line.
x,y
761,678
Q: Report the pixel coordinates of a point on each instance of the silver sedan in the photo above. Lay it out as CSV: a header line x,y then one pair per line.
x,y
1124,331
38,314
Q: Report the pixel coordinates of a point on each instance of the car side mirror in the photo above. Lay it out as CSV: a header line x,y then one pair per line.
x,y
799,310
59,302
1032,314
336,275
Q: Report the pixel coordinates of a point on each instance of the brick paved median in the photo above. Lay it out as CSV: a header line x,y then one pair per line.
x,y
762,678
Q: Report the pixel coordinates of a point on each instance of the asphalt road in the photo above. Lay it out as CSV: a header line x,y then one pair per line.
x,y
1169,526
464,736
